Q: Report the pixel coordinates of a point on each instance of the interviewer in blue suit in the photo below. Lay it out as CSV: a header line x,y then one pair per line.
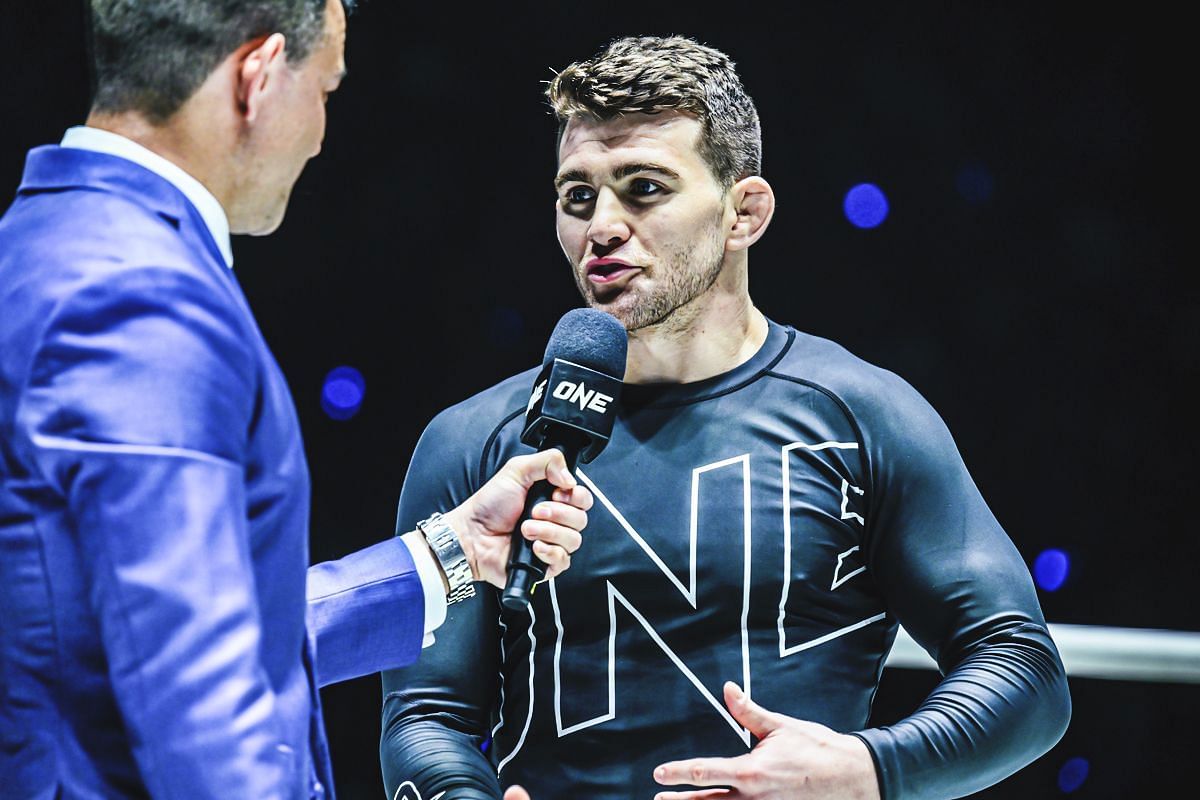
x,y
155,638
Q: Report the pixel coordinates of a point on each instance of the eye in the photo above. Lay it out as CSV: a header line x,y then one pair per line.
x,y
642,187
579,194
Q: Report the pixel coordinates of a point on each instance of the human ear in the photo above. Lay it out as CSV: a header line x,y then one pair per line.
x,y
753,201
258,65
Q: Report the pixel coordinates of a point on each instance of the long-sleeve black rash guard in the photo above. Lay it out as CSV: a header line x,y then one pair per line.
x,y
771,526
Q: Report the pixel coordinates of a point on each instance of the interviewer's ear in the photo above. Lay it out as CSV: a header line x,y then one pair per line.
x,y
753,201
259,62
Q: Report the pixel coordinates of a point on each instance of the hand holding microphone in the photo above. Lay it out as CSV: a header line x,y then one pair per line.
x,y
571,411
487,521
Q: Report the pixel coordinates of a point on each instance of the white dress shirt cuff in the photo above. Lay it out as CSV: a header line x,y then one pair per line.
x,y
431,581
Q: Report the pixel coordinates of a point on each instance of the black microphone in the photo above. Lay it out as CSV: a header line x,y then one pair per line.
x,y
572,408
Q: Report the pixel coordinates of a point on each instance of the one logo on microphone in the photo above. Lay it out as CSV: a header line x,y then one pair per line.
x,y
537,395
579,393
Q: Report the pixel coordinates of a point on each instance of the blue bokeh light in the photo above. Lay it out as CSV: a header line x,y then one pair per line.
x,y
343,392
975,183
1050,569
1073,774
865,206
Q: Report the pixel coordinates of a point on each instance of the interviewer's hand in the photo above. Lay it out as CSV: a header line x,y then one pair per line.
x,y
793,759
485,520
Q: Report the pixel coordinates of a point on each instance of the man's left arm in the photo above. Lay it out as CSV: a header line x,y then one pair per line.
x,y
951,576
958,585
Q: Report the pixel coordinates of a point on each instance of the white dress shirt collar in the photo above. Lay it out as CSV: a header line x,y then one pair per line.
x,y
82,137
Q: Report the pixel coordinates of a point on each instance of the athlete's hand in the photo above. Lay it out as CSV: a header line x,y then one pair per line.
x,y
485,520
793,759
516,793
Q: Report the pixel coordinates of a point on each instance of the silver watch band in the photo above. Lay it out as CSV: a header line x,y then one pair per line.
x,y
443,541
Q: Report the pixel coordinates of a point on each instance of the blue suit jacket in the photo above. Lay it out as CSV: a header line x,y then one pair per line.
x,y
154,504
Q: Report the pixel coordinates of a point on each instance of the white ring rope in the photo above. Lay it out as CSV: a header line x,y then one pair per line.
x,y
1093,651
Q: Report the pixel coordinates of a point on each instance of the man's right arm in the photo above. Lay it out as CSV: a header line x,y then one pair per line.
x,y
437,714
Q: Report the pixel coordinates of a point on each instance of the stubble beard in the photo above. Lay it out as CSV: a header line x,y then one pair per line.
x,y
683,274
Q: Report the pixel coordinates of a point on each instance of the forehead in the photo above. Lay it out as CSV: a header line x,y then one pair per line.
x,y
670,138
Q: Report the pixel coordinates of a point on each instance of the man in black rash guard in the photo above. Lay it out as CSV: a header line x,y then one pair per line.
x,y
768,510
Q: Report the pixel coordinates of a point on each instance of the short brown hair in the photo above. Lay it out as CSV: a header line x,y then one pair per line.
x,y
652,74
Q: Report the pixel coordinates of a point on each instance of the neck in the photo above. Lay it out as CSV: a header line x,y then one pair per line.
x,y
712,334
175,141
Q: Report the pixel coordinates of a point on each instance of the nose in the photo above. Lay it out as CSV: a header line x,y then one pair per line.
x,y
609,225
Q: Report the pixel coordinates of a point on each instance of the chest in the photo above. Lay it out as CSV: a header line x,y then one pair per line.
x,y
742,511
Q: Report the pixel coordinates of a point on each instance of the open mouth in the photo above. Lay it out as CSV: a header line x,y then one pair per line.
x,y
602,270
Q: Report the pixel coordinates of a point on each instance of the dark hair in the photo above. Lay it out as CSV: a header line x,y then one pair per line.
x,y
152,55
651,74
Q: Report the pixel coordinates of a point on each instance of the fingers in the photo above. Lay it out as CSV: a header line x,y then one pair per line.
x,y
561,514
555,526
516,793
702,794
698,772
548,465
750,714
550,532
559,523
577,496
552,543
556,559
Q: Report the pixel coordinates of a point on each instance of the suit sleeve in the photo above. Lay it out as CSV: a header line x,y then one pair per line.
x,y
438,713
956,582
365,612
137,413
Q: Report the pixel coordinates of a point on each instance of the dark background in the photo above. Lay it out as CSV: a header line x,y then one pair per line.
x,y
1049,320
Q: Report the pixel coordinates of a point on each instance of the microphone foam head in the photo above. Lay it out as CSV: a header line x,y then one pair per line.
x,y
591,339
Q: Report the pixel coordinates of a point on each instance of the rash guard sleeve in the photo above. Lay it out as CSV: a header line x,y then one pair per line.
x,y
952,577
437,713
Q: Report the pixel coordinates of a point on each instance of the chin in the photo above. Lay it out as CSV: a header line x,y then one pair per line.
x,y
261,216
268,229
265,225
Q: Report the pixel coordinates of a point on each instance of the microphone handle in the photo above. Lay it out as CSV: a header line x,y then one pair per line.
x,y
524,568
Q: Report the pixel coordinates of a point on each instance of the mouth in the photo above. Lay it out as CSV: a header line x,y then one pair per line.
x,y
605,271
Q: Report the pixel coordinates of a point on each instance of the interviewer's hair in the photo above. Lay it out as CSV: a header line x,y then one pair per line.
x,y
152,55
651,74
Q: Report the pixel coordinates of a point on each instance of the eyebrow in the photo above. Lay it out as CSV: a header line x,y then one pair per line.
x,y
568,177
622,171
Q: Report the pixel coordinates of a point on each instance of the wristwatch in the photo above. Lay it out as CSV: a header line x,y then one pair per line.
x,y
443,541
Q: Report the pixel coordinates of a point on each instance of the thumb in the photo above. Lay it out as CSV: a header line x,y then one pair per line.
x,y
516,793
750,714
549,465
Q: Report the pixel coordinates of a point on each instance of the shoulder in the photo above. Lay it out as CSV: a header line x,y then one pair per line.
x,y
83,248
877,400
458,447
82,218
483,416
145,322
